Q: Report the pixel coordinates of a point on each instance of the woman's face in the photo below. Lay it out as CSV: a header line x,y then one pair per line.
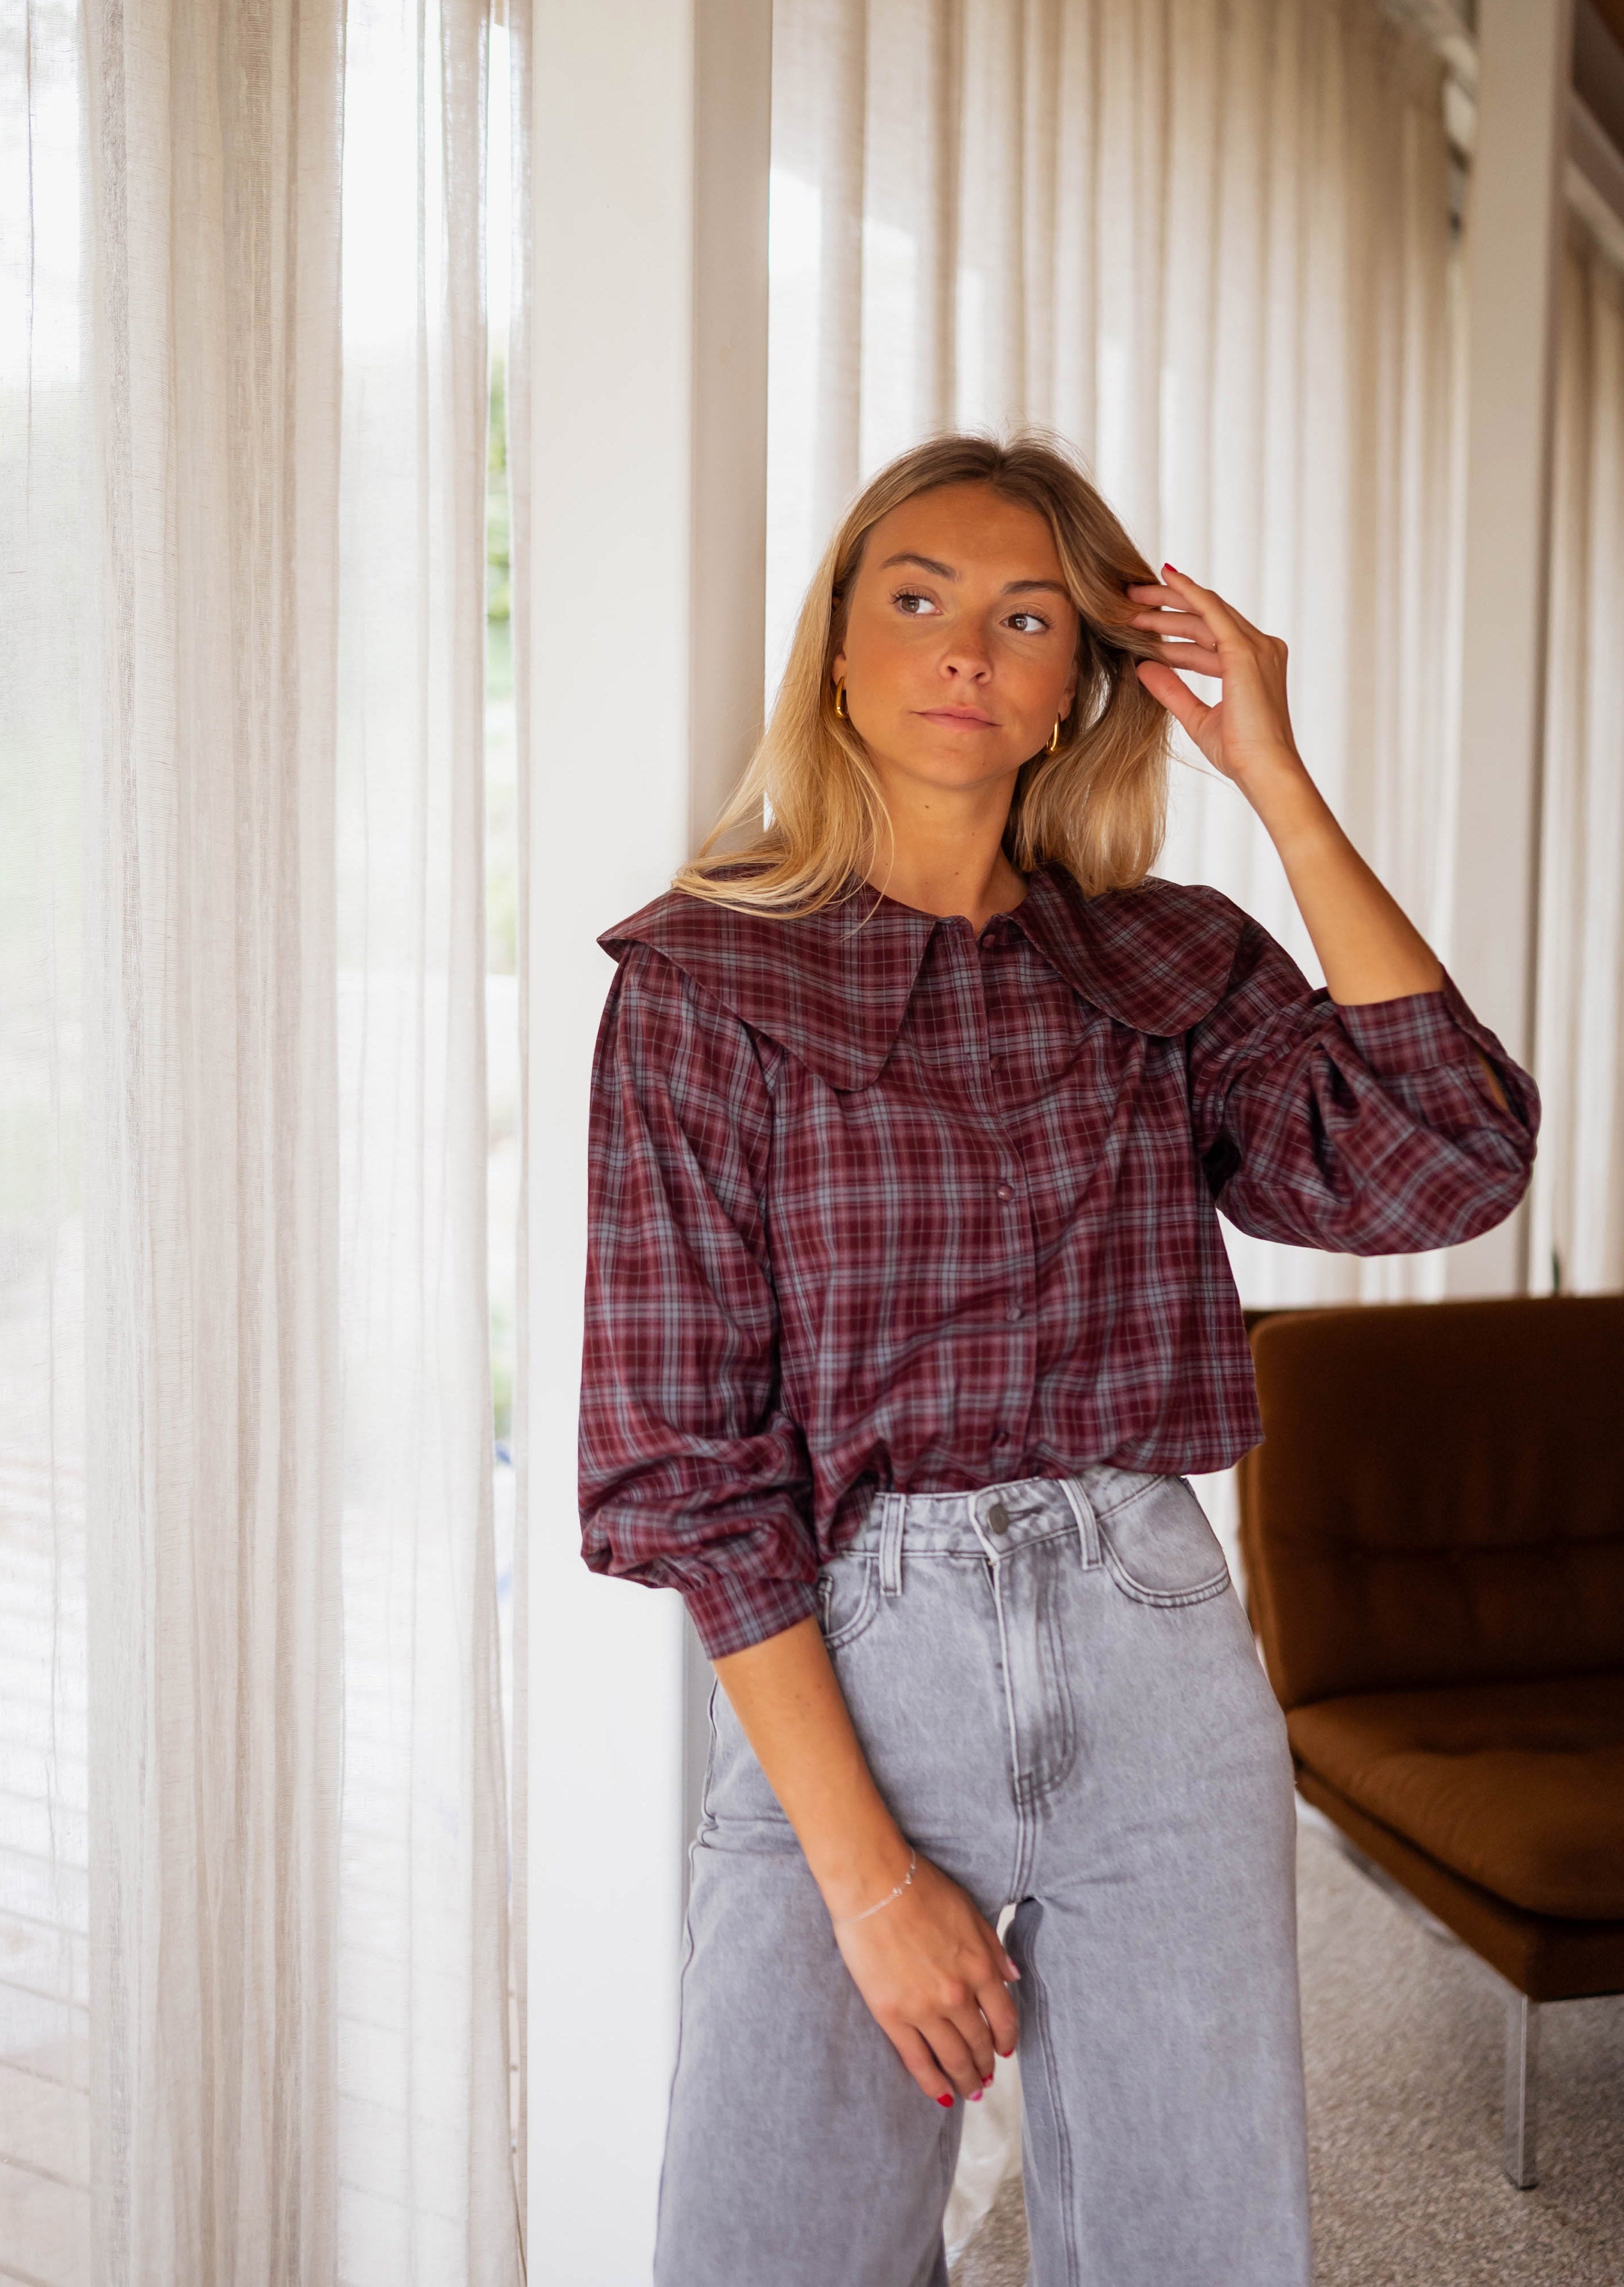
x,y
961,642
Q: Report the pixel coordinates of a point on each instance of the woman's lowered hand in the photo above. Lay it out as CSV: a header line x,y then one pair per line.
x,y
935,1981
929,1966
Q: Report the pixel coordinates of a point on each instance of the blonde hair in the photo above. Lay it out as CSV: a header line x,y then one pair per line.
x,y
1098,804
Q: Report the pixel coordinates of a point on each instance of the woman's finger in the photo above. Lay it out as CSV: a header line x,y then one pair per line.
x,y
975,2031
1188,626
977,2035
1222,618
952,2053
1003,2017
911,2047
1175,695
1193,658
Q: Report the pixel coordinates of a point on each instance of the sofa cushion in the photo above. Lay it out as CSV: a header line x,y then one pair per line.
x,y
1518,1787
1439,1495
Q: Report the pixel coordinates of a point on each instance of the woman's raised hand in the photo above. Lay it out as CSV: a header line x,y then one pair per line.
x,y
1368,948
935,1978
1248,731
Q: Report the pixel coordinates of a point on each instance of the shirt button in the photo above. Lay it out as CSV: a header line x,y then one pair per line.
x,y
1013,1312
998,1518
1001,1437
1006,1191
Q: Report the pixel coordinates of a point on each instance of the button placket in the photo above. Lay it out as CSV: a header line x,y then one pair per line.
x,y
1014,1236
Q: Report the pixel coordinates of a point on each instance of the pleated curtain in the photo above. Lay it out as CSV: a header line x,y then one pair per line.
x,y
1578,1224
255,1871
1209,242
424,2135
211,1198
46,611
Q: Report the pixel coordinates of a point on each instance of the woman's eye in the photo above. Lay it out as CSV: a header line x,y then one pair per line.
x,y
909,600
1027,623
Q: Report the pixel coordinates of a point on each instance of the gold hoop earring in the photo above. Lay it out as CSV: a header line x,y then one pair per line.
x,y
840,703
1053,747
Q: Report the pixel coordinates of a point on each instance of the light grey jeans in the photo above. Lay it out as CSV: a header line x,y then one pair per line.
x,y
1056,1690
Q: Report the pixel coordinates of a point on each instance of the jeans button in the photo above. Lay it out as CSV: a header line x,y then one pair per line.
x,y
998,1518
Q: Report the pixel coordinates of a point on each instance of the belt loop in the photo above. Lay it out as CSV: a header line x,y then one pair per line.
x,y
891,1519
1087,1527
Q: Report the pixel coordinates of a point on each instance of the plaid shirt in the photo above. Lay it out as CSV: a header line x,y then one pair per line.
x,y
898,1207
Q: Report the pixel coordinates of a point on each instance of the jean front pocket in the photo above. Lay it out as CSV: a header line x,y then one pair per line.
x,y
1159,1548
848,1597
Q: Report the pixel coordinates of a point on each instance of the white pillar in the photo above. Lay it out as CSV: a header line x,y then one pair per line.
x,y
648,476
1512,238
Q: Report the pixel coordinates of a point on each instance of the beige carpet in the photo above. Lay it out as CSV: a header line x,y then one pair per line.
x,y
1404,2036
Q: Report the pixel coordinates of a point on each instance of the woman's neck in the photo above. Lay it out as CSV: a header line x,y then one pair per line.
x,y
952,883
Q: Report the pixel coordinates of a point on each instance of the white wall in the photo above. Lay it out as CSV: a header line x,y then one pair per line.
x,y
1512,225
650,331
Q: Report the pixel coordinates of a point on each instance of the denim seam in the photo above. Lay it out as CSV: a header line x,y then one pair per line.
x,y
1085,1520
1163,1599
1063,2169
1045,1785
1139,1493
863,1619
687,1962
1010,1550
893,1527
1008,1686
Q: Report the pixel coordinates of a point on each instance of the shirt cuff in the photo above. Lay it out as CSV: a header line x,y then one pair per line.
x,y
730,1613
1420,1032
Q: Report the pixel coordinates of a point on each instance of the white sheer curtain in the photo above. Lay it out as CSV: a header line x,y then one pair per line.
x,y
424,2141
213,1485
1577,1239
1209,242
44,1979
253,1976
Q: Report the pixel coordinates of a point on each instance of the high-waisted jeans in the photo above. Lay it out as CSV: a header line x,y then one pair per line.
x,y
1057,1690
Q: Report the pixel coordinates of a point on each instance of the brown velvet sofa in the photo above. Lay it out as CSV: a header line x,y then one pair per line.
x,y
1433,1536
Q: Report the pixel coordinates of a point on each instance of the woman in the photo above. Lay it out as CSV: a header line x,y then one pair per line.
x,y
907,1313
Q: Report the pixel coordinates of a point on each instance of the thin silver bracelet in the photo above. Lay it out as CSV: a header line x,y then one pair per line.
x,y
841,1921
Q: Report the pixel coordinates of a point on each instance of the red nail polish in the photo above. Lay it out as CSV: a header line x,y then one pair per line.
x,y
947,2100
974,2097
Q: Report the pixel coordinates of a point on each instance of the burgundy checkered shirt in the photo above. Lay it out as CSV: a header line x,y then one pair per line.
x,y
898,1207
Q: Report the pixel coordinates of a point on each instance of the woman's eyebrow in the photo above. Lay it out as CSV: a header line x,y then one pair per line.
x,y
925,564
946,572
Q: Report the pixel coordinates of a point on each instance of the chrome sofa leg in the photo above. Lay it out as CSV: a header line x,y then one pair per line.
x,y
1522,2088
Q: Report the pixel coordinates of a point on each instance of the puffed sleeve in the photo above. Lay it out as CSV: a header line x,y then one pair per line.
x,y
1366,1129
691,1477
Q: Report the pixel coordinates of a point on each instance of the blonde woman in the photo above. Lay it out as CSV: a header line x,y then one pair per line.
x,y
907,1315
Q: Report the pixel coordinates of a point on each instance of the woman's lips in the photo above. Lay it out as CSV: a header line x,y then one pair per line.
x,y
965,716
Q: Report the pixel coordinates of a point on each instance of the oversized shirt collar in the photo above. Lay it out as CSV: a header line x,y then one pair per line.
x,y
833,986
